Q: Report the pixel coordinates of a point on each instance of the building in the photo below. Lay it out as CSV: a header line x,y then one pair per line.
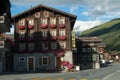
x,y
43,39
6,53
87,55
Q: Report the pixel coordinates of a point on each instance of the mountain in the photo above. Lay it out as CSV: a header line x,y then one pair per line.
x,y
109,32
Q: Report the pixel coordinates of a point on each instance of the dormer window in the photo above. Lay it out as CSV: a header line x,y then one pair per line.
x,y
37,14
61,20
22,22
46,14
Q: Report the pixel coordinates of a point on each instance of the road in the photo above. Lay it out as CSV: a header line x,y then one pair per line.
x,y
112,72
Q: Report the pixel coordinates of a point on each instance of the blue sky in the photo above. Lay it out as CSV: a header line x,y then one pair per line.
x,y
89,13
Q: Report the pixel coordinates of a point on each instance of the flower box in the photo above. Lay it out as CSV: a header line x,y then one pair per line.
x,y
44,26
52,26
62,37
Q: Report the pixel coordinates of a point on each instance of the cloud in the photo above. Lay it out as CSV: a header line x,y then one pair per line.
x,y
81,26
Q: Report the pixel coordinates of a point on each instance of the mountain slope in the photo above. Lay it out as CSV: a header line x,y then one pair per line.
x,y
109,32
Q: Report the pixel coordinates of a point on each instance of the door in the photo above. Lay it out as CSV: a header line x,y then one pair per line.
x,y
58,62
31,66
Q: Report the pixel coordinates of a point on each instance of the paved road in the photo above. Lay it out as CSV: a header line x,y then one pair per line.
x,y
111,72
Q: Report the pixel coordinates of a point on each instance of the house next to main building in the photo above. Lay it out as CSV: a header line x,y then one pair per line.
x,y
43,39
88,52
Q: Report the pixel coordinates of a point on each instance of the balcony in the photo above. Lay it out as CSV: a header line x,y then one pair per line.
x,y
53,26
45,50
53,38
30,38
30,27
59,54
21,27
61,25
62,38
44,26
21,38
44,38
4,24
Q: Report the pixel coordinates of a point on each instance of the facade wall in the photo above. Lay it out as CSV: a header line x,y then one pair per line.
x,y
23,65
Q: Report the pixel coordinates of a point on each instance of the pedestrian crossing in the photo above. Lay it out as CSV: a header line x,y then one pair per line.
x,y
60,79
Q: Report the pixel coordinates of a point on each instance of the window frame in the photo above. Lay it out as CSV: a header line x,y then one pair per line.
x,y
62,32
23,46
31,21
53,32
53,45
21,22
37,14
21,60
44,45
46,14
44,21
62,44
53,19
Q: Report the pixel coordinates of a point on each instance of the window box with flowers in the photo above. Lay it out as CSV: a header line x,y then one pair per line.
x,y
53,22
61,22
62,37
22,24
31,23
53,38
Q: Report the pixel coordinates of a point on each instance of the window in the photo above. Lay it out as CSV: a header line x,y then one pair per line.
x,y
45,60
45,45
21,33
61,20
52,20
94,49
22,46
22,22
44,33
21,59
61,32
46,14
37,14
1,44
89,50
63,45
31,33
53,45
84,50
31,46
44,21
83,44
31,21
53,32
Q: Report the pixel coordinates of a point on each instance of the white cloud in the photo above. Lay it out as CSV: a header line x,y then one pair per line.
x,y
81,26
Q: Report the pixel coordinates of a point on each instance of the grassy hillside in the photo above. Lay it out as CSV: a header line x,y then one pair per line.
x,y
109,32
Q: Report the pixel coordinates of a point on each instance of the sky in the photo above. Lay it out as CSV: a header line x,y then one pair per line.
x,y
90,13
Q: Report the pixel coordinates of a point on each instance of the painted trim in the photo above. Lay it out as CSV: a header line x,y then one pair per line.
x,y
33,63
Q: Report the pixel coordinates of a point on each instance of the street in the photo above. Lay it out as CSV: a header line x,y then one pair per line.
x,y
111,72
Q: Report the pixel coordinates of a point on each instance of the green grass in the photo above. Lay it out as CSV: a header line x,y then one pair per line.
x,y
109,32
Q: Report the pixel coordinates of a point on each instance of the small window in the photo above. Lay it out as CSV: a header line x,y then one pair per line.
x,y
52,20
31,46
84,50
1,43
94,49
45,45
31,22
91,44
63,45
61,32
44,33
61,20
44,21
46,14
89,50
31,33
22,46
21,59
45,60
53,45
22,22
37,14
83,44
21,33
53,32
